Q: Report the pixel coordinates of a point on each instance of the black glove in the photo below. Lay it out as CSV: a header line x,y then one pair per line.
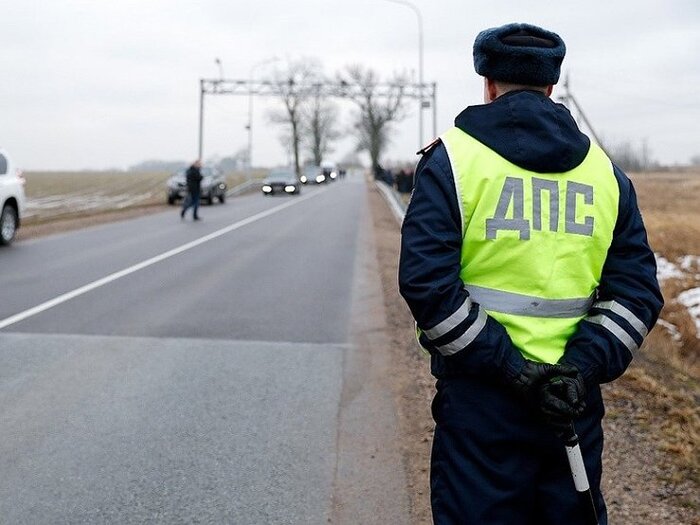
x,y
533,375
562,397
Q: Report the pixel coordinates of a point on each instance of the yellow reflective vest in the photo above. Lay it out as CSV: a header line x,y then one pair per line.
x,y
534,244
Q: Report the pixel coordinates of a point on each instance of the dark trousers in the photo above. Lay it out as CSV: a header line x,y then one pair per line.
x,y
495,462
191,200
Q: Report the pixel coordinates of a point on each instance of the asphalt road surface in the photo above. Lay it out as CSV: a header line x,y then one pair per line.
x,y
225,371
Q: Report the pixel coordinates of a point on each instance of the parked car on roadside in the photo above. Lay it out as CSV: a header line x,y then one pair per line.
x,y
313,175
12,199
213,186
282,180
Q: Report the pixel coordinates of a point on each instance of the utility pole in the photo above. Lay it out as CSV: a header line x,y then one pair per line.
x,y
201,117
567,98
249,127
202,91
435,133
421,103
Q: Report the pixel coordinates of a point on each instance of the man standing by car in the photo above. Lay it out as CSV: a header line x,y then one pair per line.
x,y
525,263
194,181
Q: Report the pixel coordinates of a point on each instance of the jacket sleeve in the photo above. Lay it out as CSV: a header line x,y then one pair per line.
x,y
454,329
628,301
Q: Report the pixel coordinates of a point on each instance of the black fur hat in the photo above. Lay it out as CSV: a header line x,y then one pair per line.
x,y
519,54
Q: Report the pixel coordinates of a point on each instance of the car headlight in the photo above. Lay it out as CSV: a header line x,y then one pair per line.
x,y
333,174
303,178
267,189
290,189
222,186
320,178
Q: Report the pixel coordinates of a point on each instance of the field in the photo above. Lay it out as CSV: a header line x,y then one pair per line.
x,y
70,195
52,195
671,212
667,381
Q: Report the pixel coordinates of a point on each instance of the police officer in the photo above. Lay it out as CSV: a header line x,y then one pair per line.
x,y
525,263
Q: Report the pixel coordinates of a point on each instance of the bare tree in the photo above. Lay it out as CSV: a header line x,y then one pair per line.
x,y
293,85
375,114
320,125
631,158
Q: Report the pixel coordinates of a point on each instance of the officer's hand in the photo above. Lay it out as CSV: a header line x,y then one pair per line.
x,y
561,425
533,375
562,397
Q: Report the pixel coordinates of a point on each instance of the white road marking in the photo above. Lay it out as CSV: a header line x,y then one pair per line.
x,y
148,262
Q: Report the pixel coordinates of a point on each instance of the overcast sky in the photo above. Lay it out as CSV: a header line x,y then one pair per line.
x,y
100,84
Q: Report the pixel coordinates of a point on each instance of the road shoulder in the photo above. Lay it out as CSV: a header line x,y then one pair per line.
x,y
411,380
370,480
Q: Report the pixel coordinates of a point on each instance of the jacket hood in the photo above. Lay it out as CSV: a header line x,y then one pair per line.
x,y
528,129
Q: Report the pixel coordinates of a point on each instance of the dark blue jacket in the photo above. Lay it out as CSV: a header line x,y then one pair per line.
x,y
193,175
531,131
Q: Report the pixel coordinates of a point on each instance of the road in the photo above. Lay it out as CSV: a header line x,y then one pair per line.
x,y
224,371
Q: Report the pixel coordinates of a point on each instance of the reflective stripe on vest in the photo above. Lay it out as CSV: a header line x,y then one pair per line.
x,y
530,306
534,244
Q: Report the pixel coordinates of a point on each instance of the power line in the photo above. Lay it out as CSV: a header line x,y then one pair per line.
x,y
630,95
568,97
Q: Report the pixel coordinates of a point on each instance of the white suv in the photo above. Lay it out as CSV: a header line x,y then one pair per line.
x,y
11,198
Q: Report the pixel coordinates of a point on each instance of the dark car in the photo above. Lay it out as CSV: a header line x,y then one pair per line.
x,y
213,186
283,181
313,175
330,171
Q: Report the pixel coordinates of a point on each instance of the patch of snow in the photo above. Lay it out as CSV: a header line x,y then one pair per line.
x,y
688,262
665,269
691,300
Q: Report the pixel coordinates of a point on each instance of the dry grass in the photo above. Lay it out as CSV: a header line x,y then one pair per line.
x,y
652,428
672,398
62,195
51,183
69,195
669,205
667,384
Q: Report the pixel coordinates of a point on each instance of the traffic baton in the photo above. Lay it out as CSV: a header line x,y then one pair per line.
x,y
578,471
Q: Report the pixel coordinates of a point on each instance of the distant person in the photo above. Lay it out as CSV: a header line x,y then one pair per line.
x,y
404,181
525,263
194,187
388,176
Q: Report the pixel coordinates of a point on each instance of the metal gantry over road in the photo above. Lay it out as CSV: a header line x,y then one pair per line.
x,y
330,89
